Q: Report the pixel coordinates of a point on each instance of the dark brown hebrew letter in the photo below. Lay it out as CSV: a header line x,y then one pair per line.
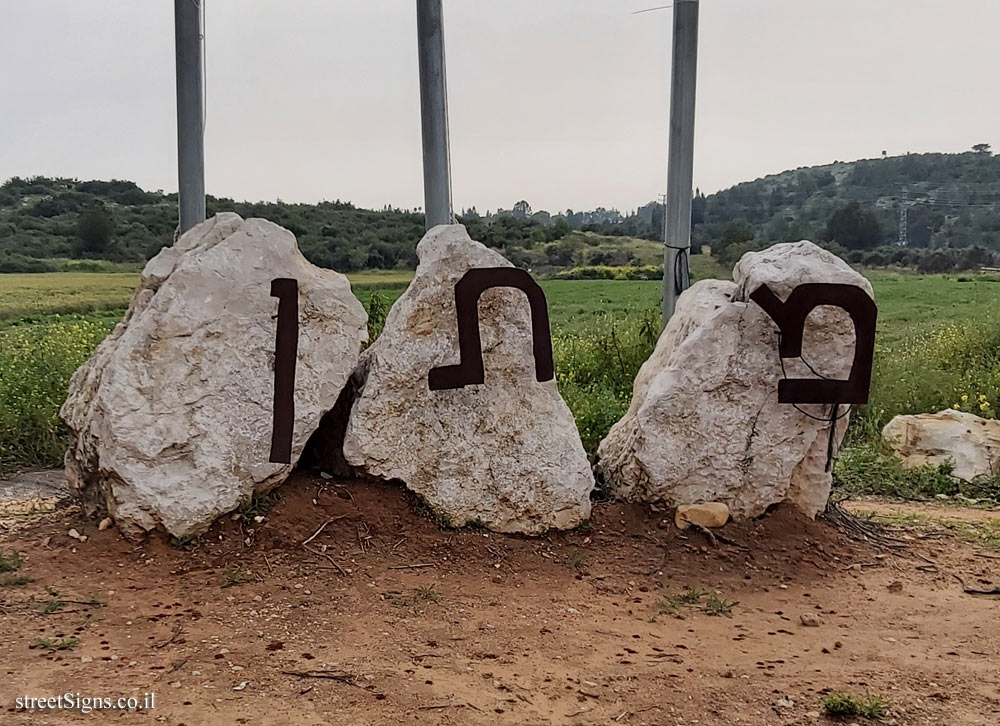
x,y
286,350
467,291
791,319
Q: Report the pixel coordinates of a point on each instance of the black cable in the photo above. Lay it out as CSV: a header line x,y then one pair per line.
x,y
682,277
784,375
834,416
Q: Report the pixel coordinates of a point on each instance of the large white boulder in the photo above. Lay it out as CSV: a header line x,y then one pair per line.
x,y
504,453
171,417
705,424
970,443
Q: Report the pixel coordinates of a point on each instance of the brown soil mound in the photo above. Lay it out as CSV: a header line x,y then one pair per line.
x,y
385,618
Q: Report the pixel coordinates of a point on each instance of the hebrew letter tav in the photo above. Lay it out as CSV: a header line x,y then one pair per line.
x,y
467,292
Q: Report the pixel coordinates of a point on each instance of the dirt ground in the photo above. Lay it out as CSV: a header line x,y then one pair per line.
x,y
391,620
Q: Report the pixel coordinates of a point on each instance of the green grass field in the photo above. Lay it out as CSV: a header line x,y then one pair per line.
x,y
64,292
938,345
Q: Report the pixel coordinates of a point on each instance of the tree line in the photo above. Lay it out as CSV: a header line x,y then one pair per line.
x,y
951,201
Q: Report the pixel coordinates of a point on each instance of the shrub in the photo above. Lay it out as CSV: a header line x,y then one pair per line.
x,y
10,561
956,366
10,262
596,370
731,254
605,272
845,705
36,362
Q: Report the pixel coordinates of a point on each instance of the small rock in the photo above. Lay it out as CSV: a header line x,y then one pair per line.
x,y
105,523
258,519
242,685
709,514
74,534
324,475
812,714
810,620
86,659
895,586
236,516
784,703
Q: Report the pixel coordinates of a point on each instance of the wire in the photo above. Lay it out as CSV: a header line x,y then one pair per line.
x,y
784,375
649,10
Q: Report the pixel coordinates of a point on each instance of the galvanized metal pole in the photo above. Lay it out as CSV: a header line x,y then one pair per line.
x,y
190,112
680,161
434,113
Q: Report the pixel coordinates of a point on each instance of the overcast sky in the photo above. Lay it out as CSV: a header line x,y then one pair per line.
x,y
560,102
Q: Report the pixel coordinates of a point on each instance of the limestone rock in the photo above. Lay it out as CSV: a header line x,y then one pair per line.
x,y
970,443
705,423
709,514
171,417
505,453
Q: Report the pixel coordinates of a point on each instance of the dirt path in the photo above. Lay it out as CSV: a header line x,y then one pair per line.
x,y
415,625
921,510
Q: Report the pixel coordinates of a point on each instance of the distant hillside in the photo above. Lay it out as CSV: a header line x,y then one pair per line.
x,y
44,219
951,200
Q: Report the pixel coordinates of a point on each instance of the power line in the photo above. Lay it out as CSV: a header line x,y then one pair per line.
x,y
649,10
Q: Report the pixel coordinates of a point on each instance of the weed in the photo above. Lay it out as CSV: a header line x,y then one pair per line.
x,y
63,644
985,532
377,308
187,543
427,594
442,520
53,604
236,576
671,604
36,362
476,525
259,505
716,606
421,595
844,705
14,580
577,559
10,561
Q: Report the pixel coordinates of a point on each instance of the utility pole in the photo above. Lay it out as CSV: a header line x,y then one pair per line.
x,y
680,160
190,112
434,113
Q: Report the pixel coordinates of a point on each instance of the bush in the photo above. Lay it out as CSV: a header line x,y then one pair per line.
x,y
937,261
731,254
19,263
956,366
596,369
602,272
845,705
36,362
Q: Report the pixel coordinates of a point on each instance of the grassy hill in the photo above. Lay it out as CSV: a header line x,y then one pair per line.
x,y
951,200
